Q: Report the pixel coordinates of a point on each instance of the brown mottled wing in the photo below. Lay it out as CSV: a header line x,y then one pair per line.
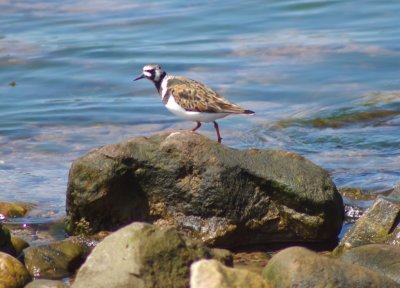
x,y
194,96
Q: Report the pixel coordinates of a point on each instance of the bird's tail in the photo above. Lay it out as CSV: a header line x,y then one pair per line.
x,y
248,112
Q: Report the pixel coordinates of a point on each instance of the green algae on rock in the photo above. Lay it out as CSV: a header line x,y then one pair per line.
x,y
374,108
57,260
355,193
9,210
224,196
19,244
341,119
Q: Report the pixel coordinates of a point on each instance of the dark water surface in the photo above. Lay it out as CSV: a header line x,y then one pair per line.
x,y
323,77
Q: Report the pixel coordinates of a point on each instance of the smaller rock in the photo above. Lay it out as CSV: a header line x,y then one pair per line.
x,y
377,225
141,255
356,194
395,194
56,260
19,244
381,258
353,212
12,272
300,267
5,241
254,261
212,274
222,255
45,283
9,210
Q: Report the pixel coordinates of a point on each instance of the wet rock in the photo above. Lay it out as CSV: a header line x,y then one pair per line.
x,y
45,283
57,260
5,241
222,255
300,267
18,244
353,212
141,255
356,201
12,272
354,193
212,274
379,224
381,258
344,118
395,194
254,261
223,196
10,210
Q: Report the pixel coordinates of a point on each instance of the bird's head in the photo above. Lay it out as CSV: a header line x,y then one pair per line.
x,y
152,72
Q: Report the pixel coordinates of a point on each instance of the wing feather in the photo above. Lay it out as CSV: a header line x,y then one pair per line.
x,y
195,96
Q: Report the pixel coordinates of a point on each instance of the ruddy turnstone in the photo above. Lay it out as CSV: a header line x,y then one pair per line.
x,y
190,99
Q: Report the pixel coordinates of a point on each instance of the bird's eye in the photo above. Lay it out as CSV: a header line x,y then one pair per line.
x,y
148,73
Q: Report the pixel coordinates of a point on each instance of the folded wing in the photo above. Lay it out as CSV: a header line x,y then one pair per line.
x,y
194,96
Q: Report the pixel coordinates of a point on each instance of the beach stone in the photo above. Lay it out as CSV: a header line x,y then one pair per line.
x,y
254,261
381,258
18,244
222,255
9,210
395,194
223,196
5,241
141,255
12,272
378,225
356,194
300,267
213,274
45,283
57,260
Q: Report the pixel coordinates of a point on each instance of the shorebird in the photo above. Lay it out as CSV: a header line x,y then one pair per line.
x,y
190,99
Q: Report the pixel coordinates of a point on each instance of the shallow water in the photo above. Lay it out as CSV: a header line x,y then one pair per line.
x,y
321,75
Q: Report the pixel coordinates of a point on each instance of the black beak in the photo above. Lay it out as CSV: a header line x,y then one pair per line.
x,y
141,76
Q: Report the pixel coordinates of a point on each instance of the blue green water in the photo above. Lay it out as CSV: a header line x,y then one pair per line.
x,y
322,76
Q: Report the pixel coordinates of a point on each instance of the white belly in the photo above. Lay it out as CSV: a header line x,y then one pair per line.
x,y
174,108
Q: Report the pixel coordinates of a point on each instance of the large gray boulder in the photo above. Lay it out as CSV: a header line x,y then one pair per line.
x,y
224,196
141,255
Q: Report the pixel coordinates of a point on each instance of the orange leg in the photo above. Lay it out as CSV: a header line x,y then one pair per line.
x,y
217,129
197,127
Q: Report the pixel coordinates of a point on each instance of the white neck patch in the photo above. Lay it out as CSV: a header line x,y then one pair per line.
x,y
163,90
157,75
